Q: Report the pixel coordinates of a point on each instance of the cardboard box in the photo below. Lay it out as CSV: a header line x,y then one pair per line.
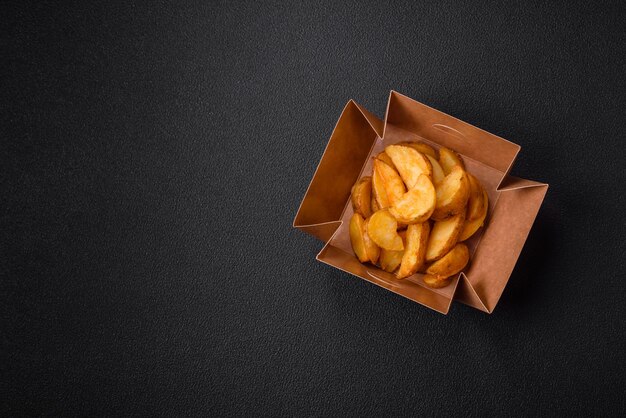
x,y
325,210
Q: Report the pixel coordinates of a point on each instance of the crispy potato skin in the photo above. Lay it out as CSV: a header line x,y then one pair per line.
x,y
436,282
414,249
444,236
452,194
378,189
356,237
448,159
361,196
451,263
382,229
416,205
470,227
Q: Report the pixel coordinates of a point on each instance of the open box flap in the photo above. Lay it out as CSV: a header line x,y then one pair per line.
x,y
340,167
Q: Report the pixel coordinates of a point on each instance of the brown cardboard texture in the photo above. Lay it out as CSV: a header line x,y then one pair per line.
x,y
325,210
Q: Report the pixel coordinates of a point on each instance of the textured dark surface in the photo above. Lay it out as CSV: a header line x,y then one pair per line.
x,y
154,156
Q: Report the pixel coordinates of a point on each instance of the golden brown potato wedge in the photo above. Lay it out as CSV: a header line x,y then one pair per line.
x,y
392,182
356,237
371,249
470,227
475,202
361,196
436,282
452,194
451,263
382,229
444,236
410,163
438,174
390,260
414,249
421,147
449,159
378,189
416,205
384,157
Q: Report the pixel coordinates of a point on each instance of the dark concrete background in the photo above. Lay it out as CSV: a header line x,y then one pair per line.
x,y
154,156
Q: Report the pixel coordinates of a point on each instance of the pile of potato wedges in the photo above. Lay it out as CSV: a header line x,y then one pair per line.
x,y
414,212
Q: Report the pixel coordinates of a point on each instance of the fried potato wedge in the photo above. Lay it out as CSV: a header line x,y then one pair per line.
x,y
410,163
373,203
361,196
421,147
384,157
470,227
475,202
390,260
356,237
416,205
438,174
452,194
371,249
451,263
392,182
382,229
378,189
436,282
449,159
414,249
444,236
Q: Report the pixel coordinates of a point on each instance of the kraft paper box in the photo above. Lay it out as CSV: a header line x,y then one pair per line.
x,y
326,209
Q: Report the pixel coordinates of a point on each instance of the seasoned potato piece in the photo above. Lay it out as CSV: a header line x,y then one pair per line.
x,y
470,227
390,260
393,184
475,202
414,249
443,236
436,282
452,194
356,237
378,189
451,263
416,205
385,158
410,163
382,229
361,196
421,147
371,249
449,159
438,175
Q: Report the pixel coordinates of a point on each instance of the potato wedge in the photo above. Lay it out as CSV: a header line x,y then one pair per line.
x,y
451,263
449,159
384,157
452,194
443,236
371,249
470,227
356,237
361,196
416,205
390,260
382,229
392,182
436,282
378,189
414,249
410,163
421,147
438,174
475,202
